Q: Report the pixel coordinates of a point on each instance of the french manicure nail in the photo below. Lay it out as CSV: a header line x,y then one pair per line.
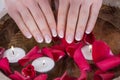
x,y
39,39
54,33
69,39
47,39
87,32
78,37
61,34
28,35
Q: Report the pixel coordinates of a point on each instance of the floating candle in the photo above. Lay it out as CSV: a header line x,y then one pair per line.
x,y
87,52
43,64
14,54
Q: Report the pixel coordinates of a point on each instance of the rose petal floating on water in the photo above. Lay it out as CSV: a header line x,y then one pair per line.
x,y
4,66
103,57
18,76
29,71
89,38
31,55
72,48
100,51
109,63
80,60
99,75
41,77
53,53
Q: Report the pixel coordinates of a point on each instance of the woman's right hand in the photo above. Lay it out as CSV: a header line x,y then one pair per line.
x,y
34,18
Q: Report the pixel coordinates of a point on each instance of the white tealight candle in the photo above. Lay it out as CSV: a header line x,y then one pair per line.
x,y
14,54
87,52
43,64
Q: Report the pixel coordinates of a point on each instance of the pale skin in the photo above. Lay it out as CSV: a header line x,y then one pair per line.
x,y
35,18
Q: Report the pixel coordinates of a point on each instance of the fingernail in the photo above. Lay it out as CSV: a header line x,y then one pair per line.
x,y
69,39
54,33
39,39
61,34
47,39
78,37
28,35
87,32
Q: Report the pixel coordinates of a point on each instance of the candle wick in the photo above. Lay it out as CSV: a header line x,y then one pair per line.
x,y
90,47
13,52
90,50
43,63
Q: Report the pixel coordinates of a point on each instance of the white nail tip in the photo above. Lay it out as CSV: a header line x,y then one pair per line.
x,y
39,39
47,39
29,36
78,37
87,32
61,34
54,33
69,39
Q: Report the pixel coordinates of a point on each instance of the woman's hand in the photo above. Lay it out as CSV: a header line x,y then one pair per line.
x,y
76,17
34,18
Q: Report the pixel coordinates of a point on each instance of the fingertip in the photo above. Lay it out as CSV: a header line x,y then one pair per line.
x,y
48,39
87,32
29,36
39,39
54,33
69,39
61,34
78,37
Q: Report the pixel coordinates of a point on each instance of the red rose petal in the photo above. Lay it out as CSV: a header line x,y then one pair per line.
x,y
104,76
64,43
71,49
89,38
29,71
103,57
4,66
41,77
100,51
80,60
1,52
18,76
53,53
58,47
31,55
109,63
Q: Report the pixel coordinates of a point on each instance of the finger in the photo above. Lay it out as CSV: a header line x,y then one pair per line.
x,y
46,9
17,18
40,20
83,18
93,17
72,21
61,20
30,23
56,4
